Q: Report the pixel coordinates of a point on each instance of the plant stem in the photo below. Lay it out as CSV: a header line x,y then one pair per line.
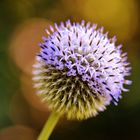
x,y
49,126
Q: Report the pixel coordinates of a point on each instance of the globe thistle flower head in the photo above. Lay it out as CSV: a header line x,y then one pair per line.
x,y
79,70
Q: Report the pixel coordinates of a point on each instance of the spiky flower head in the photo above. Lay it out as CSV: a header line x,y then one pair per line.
x,y
79,70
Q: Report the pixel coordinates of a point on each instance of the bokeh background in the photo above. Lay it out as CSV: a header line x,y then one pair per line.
x,y
22,25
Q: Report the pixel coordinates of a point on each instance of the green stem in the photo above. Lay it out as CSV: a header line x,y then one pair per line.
x,y
49,126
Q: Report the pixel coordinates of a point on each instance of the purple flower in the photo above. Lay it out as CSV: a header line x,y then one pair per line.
x,y
79,70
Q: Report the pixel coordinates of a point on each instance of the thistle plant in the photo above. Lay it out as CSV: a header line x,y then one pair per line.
x,y
78,72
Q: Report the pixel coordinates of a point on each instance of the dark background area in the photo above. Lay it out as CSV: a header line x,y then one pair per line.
x,y
22,25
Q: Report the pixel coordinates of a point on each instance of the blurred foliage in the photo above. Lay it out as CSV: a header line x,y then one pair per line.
x,y
22,25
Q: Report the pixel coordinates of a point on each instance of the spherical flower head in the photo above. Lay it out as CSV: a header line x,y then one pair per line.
x,y
79,70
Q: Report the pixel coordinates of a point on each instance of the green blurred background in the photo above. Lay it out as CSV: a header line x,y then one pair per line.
x,y
22,24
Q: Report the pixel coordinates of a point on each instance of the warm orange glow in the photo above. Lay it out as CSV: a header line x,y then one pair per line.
x,y
24,42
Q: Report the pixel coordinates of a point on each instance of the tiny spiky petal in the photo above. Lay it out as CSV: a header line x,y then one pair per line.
x,y
79,70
